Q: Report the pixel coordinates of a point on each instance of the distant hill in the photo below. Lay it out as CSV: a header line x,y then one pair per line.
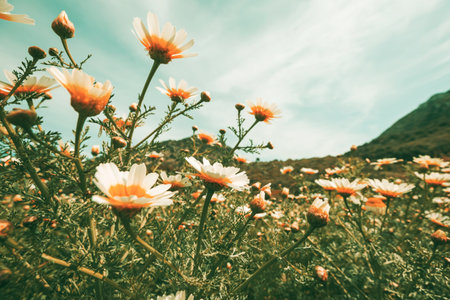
x,y
426,130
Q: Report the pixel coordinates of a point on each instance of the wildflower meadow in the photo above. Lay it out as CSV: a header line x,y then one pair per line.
x,y
112,221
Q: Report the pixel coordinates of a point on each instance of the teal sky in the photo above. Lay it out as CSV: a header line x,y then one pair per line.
x,y
341,71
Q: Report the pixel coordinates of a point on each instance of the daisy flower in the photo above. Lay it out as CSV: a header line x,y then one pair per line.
x,y
161,46
438,219
240,160
155,155
263,111
206,138
309,171
385,161
336,170
177,94
87,98
29,86
390,189
131,190
375,205
176,181
286,170
327,185
318,213
427,161
180,295
5,14
346,188
217,198
434,178
217,176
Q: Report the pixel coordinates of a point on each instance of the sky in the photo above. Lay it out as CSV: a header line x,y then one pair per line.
x,y
340,71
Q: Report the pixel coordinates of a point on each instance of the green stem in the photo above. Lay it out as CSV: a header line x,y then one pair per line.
x,y
127,225
66,47
141,99
274,259
388,201
209,194
24,157
19,82
241,138
238,237
78,163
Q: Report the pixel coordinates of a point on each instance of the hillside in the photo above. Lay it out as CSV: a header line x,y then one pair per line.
x,y
426,130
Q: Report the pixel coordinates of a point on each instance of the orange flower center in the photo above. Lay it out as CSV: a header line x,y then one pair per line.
x,y
261,113
223,181
160,49
205,138
176,94
435,181
345,190
388,193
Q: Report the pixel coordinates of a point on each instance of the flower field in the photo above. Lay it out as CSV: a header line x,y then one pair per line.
x,y
114,222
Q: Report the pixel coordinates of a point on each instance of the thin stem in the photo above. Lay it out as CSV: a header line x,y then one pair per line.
x,y
388,201
141,99
78,164
274,259
127,225
33,109
156,130
209,194
241,138
66,47
238,237
19,82
24,157
88,272
114,124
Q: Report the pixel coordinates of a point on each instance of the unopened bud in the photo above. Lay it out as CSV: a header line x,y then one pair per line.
x,y
256,186
111,108
269,146
30,221
439,237
95,150
63,27
118,142
239,106
318,213
53,51
222,131
258,204
205,97
5,228
22,117
354,148
321,273
133,107
194,128
36,52
5,276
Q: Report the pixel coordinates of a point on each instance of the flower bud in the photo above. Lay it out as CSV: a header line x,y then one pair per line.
x,y
95,150
239,106
269,146
36,52
5,228
5,275
118,142
321,273
258,204
63,27
285,192
205,97
256,186
53,51
133,107
111,108
317,214
30,221
222,131
194,128
354,148
439,237
22,117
